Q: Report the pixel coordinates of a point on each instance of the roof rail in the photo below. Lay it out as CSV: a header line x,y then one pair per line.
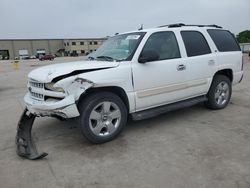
x,y
173,25
182,25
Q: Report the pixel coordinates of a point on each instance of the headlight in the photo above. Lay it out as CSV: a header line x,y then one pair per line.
x,y
50,86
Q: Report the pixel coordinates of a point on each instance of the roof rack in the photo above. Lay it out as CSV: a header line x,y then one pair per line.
x,y
182,25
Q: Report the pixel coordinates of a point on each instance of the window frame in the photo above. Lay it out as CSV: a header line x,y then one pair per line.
x,y
203,36
180,56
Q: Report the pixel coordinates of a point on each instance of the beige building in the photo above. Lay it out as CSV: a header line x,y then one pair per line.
x,y
82,46
25,48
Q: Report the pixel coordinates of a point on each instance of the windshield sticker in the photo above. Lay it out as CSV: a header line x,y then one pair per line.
x,y
133,37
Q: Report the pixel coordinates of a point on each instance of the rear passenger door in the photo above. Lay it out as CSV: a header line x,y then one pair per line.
x,y
200,62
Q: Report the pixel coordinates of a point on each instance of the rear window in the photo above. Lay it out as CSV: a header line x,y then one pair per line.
x,y
195,43
224,40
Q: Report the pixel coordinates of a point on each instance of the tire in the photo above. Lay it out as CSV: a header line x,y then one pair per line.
x,y
219,93
103,115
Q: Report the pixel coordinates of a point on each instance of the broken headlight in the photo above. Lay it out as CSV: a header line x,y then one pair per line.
x,y
50,86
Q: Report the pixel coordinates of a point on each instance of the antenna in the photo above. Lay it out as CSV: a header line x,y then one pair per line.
x,y
141,28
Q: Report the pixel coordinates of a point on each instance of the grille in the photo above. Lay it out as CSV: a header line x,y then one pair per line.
x,y
36,95
36,84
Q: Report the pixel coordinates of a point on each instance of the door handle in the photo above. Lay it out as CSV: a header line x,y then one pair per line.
x,y
181,67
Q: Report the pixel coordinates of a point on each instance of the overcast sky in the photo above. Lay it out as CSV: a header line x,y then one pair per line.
x,y
82,18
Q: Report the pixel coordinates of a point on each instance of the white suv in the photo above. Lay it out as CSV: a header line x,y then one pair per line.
x,y
137,74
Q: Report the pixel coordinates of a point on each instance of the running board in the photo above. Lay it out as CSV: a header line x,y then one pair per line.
x,y
146,114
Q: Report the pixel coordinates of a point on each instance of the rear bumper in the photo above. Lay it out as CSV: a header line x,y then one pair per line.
x,y
65,108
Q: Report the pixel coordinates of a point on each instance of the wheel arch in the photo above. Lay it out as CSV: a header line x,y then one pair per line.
x,y
120,92
225,72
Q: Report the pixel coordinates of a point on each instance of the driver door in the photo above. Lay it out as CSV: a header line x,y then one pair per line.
x,y
161,81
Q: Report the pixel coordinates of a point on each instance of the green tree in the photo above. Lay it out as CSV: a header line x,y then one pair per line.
x,y
243,37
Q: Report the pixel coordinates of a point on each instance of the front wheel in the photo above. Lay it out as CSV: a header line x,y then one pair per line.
x,y
219,93
103,116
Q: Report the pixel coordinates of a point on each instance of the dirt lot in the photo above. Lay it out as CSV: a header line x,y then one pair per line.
x,y
193,147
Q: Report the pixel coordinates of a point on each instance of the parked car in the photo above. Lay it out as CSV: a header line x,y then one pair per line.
x,y
46,57
140,75
33,57
74,54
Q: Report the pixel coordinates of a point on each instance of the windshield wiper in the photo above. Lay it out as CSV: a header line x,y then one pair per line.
x,y
91,58
108,58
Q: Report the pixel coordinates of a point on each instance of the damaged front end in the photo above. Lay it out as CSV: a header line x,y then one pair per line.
x,y
52,92
42,101
24,142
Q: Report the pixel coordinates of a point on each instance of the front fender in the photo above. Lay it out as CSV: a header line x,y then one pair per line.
x,y
75,86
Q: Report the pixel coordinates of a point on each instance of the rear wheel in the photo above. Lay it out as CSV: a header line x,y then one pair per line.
x,y
219,93
103,116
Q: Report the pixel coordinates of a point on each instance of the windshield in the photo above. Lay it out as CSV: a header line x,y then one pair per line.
x,y
118,48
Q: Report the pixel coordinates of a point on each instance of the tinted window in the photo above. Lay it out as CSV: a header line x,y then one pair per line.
x,y
224,40
165,44
195,43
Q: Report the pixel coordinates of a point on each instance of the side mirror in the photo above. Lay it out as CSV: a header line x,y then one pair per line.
x,y
148,55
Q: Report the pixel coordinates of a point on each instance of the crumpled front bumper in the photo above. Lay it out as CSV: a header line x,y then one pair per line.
x,y
24,142
65,108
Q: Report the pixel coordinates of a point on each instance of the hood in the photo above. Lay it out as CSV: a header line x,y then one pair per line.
x,y
46,74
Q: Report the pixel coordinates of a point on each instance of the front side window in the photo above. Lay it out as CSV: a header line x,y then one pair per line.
x,y
224,40
195,43
164,44
118,48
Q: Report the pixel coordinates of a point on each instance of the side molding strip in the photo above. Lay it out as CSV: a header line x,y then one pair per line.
x,y
170,88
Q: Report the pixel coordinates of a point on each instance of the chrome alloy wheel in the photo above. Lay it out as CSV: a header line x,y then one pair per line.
x,y
105,118
222,93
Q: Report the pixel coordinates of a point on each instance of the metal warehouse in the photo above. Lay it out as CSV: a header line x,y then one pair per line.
x,y
26,48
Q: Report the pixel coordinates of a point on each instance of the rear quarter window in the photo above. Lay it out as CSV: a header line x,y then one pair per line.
x,y
195,43
224,40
